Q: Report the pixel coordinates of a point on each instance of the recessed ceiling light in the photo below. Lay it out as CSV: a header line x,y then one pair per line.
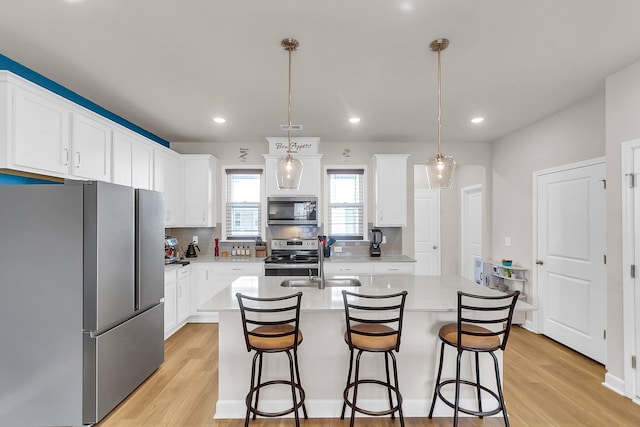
x,y
219,120
354,120
477,120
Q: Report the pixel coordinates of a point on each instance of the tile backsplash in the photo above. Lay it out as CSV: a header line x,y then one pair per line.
x,y
206,236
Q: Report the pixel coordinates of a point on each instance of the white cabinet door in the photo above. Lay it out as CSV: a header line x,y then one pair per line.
x,y
40,131
142,164
168,177
199,192
91,143
311,176
183,297
226,272
203,285
170,300
390,190
121,158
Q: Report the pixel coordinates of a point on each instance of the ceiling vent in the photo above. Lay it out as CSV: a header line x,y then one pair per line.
x,y
285,127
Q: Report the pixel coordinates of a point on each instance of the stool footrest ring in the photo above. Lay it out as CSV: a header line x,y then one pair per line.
x,y
256,411
366,411
465,410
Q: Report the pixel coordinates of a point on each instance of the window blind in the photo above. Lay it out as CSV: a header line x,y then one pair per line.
x,y
346,203
243,211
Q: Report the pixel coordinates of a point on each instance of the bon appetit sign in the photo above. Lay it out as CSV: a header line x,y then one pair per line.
x,y
299,145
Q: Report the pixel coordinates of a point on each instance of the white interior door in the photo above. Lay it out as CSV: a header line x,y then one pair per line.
x,y
426,225
570,260
470,229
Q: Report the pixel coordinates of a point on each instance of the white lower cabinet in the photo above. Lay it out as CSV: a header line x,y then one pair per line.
x,y
170,299
226,272
183,298
177,293
347,268
202,288
393,267
373,267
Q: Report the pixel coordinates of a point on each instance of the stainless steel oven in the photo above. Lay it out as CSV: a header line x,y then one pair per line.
x,y
292,257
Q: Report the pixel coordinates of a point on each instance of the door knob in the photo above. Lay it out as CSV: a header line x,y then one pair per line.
x,y
539,262
435,247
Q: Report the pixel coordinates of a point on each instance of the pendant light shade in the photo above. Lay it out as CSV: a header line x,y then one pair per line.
x,y
289,169
440,168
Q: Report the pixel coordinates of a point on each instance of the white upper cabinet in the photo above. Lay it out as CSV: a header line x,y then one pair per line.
x,y
200,190
132,160
91,146
168,178
390,190
35,131
311,176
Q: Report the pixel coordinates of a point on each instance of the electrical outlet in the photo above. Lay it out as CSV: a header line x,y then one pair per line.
x,y
507,241
195,239
337,249
384,240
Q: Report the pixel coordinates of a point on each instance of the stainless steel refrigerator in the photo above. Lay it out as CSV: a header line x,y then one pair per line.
x,y
81,317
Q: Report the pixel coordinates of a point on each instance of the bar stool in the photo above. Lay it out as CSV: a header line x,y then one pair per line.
x,y
271,325
494,313
374,324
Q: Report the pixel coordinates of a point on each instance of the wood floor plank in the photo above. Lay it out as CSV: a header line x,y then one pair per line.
x,y
545,384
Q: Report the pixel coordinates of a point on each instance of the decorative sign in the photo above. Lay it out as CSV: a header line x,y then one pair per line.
x,y
299,145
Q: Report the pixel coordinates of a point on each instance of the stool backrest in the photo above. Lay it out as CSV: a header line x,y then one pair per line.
x,y
277,311
385,310
491,312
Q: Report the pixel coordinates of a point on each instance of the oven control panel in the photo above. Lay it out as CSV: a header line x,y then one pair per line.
x,y
294,244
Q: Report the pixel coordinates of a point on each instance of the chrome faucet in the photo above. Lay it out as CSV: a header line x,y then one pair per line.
x,y
320,277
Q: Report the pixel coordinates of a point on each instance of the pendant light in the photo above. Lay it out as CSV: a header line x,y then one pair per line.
x,y
440,168
288,168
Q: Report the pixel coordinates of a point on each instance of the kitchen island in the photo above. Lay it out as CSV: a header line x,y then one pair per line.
x,y
324,356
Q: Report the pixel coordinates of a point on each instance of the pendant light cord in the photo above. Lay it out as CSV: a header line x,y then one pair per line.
x,y
289,129
439,100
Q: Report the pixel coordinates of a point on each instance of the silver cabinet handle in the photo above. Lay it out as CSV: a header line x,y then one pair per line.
x,y
66,156
435,247
78,163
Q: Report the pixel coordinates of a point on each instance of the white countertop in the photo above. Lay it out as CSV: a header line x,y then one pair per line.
x,y
425,293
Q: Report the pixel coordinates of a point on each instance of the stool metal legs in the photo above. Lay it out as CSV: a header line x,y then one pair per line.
x,y
257,384
456,404
357,381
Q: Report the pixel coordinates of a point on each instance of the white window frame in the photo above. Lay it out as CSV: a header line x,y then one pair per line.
x,y
223,205
365,180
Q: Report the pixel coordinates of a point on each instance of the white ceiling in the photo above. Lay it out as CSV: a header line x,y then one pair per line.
x,y
170,66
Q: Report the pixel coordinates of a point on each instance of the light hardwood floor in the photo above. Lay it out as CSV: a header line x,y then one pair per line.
x,y
546,384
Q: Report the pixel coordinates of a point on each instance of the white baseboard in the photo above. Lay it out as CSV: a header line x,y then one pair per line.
x,y
331,408
614,383
204,318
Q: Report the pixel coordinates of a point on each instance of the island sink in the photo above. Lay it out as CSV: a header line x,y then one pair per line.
x,y
332,282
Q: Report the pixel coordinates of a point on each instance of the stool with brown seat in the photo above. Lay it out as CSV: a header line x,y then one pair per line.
x,y
271,325
483,326
374,324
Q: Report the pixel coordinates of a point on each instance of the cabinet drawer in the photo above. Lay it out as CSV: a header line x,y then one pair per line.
x,y
393,268
240,269
347,268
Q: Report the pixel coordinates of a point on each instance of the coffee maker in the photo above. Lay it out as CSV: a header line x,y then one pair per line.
x,y
376,241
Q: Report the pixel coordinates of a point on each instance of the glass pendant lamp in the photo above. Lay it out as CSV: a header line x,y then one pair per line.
x,y
288,168
440,168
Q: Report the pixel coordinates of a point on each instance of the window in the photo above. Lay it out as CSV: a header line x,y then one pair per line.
x,y
345,204
243,208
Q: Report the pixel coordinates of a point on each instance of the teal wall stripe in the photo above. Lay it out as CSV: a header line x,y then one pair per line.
x,y
20,180
22,71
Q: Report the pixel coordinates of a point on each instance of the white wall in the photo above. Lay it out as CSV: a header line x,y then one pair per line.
x,y
622,124
572,135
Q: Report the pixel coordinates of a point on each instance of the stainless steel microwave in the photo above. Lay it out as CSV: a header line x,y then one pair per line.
x,y
292,211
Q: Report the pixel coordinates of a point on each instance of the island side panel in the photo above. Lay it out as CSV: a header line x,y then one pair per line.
x,y
324,359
